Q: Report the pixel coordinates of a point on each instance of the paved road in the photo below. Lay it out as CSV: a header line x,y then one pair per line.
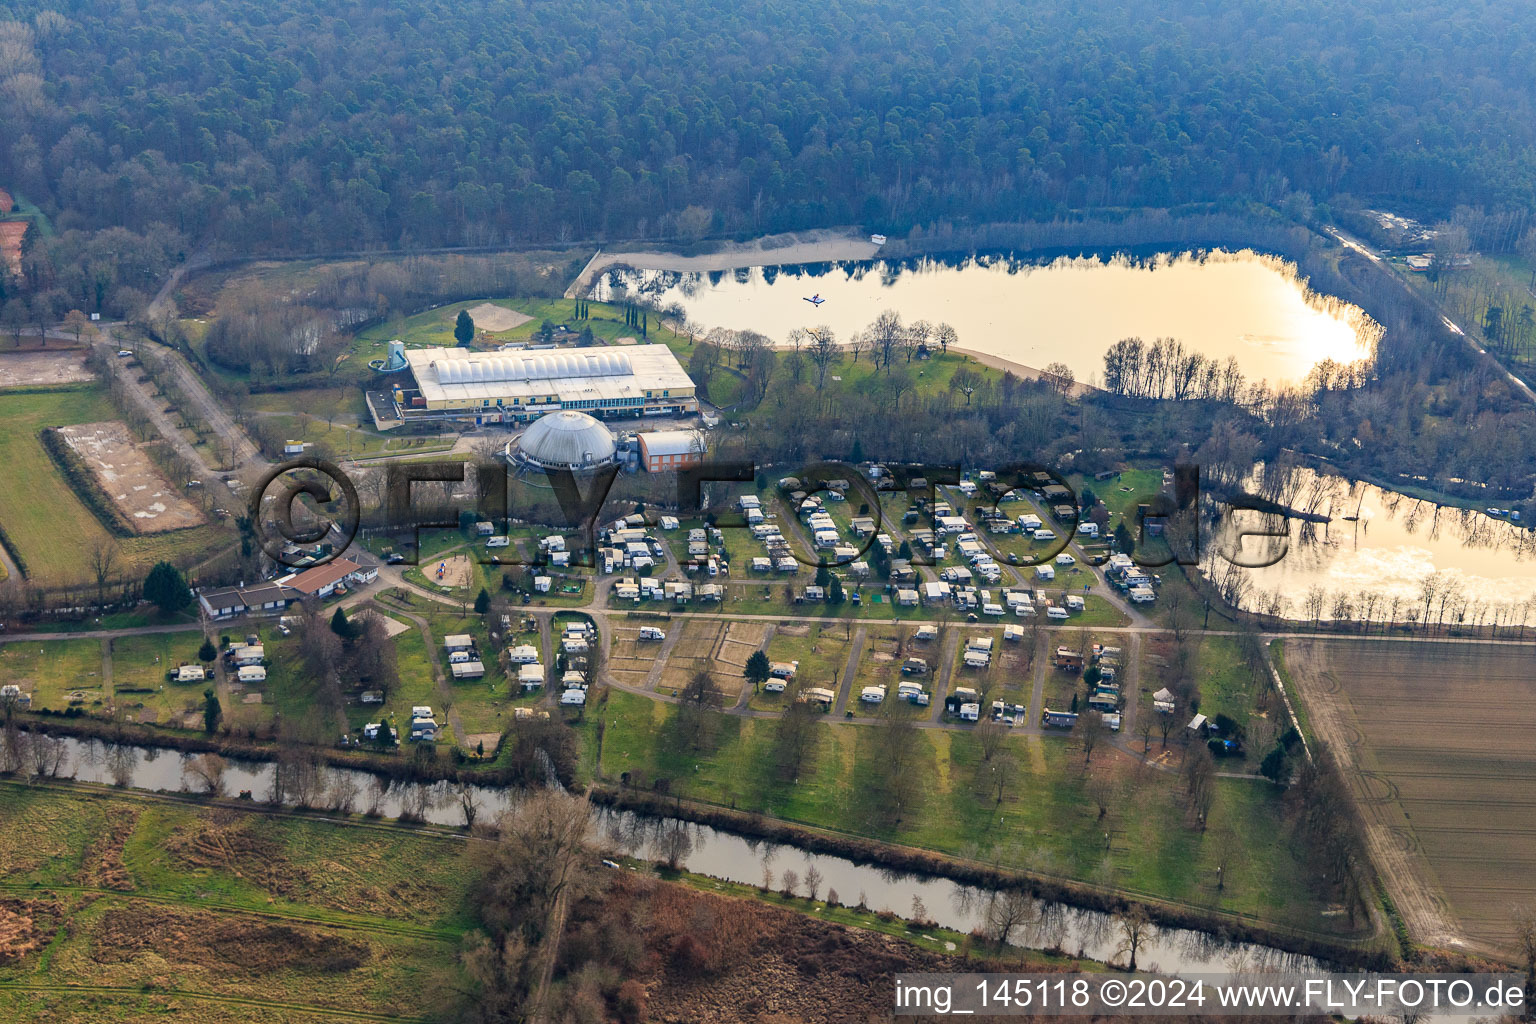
x,y
942,671
139,393
1384,266
850,671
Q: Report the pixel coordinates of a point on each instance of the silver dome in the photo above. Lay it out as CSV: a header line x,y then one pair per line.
x,y
566,439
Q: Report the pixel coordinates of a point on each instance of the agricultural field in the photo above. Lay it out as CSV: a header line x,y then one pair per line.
x,y
1048,820
1435,742
53,531
164,908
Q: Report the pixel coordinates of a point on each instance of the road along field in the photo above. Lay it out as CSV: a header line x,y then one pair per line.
x,y
1435,739
149,502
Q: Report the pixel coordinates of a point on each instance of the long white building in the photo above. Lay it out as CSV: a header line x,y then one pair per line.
x,y
518,386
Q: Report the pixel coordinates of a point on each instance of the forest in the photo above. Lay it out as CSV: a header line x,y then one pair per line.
x,y
286,126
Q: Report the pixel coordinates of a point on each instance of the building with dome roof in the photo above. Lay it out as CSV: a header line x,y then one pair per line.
x,y
564,440
518,386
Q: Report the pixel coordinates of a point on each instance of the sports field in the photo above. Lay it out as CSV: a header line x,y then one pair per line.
x,y
52,531
1437,741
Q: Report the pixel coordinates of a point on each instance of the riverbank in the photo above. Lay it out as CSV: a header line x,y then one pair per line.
x,y
393,768
1368,952
729,846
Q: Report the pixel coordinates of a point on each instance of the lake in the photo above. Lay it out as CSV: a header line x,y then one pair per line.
x,y
1377,547
1071,310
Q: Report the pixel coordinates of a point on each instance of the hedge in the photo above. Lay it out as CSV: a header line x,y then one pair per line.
x,y
87,488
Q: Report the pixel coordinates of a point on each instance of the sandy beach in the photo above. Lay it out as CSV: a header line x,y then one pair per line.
x,y
1017,369
772,251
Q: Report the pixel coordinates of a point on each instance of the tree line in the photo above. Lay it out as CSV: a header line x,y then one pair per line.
x,y
277,127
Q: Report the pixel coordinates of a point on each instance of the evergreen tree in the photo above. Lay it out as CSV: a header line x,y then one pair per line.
x,y
756,670
823,578
1123,539
1275,767
212,712
464,328
340,626
482,602
879,561
835,591
166,587
207,652
905,551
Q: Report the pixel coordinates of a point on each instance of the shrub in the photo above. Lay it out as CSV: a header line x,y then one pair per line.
x,y
629,1003
690,957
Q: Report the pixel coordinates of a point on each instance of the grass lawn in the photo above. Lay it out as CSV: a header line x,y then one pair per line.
x,y
435,327
1046,821
290,690
820,648
478,702
140,664
418,686
117,620
1121,493
143,660
1303,723
885,648
182,883
52,530
28,210
53,670
341,439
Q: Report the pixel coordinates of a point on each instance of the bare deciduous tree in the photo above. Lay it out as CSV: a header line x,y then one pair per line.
x,y
1090,732
698,702
1007,911
208,771
1135,929
812,882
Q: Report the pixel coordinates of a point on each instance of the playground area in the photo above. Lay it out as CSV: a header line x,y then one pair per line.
x,y
453,573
